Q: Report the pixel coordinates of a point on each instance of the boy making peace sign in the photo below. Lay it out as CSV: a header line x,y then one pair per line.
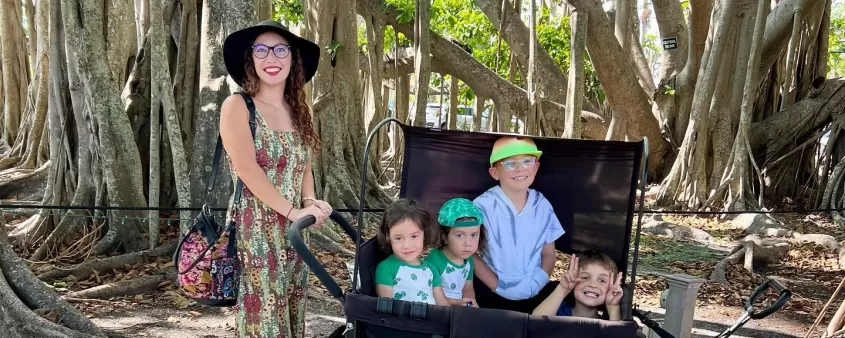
x,y
595,283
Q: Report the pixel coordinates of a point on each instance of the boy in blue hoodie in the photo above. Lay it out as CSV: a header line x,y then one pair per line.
x,y
513,273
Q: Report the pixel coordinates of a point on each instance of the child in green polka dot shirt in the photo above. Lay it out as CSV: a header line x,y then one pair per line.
x,y
461,236
403,275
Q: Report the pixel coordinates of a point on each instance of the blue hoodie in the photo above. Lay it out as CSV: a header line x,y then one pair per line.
x,y
515,241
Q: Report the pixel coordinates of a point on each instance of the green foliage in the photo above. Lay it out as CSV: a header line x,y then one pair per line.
x,y
836,41
288,12
390,40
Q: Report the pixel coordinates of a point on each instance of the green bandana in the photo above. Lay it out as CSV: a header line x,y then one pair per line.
x,y
457,208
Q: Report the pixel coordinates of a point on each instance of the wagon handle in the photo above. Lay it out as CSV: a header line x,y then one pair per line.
x,y
785,294
295,240
751,312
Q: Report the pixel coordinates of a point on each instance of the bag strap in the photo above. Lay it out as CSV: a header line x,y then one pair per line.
x,y
218,149
251,106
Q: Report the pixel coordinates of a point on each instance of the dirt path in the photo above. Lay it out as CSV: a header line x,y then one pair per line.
x,y
711,320
159,320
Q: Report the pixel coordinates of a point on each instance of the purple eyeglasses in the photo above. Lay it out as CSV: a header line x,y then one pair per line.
x,y
261,51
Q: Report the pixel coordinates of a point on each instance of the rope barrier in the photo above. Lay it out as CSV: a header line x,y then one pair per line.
x,y
355,210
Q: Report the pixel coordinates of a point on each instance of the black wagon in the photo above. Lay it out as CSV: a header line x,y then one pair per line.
x,y
592,186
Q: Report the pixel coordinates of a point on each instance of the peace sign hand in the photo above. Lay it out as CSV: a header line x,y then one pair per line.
x,y
569,279
614,296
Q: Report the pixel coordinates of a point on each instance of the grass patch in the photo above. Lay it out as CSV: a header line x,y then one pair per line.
x,y
677,255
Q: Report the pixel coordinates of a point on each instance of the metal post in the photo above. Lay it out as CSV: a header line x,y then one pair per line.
x,y
680,304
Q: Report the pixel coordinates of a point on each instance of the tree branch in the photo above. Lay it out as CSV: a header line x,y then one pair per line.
x,y
516,34
450,59
779,27
813,112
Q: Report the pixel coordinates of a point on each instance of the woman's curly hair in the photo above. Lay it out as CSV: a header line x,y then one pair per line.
x,y
294,94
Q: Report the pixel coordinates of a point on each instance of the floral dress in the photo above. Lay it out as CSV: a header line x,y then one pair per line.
x,y
271,293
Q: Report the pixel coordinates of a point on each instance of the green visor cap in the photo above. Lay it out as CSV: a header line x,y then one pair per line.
x,y
512,147
457,208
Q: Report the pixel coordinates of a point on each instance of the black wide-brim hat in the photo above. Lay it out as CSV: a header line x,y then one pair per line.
x,y
237,43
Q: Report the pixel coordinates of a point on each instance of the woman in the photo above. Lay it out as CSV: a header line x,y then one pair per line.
x,y
271,64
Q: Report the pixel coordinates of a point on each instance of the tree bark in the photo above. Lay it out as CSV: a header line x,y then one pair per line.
x,y
265,10
33,32
821,63
142,20
375,48
185,84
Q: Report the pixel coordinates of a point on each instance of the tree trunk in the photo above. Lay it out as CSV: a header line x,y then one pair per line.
x,y
185,84
531,120
161,90
479,111
620,83
72,179
142,20
375,48
29,140
453,103
33,32
671,24
265,10
118,152
120,24
14,70
574,100
338,108
686,180
219,19
422,60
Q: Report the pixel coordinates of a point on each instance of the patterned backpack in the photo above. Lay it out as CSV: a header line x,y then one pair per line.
x,y
206,259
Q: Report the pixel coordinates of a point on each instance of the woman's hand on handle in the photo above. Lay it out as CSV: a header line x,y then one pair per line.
x,y
325,207
312,210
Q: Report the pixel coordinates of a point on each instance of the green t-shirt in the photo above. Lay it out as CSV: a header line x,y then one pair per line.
x,y
453,276
413,283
